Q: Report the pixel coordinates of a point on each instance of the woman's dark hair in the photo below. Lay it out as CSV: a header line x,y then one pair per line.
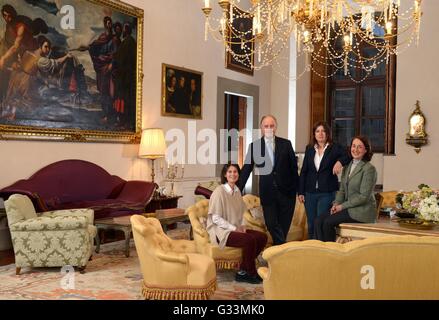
x,y
10,10
224,171
327,130
365,140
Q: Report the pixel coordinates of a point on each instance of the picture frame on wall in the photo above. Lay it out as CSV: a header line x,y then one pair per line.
x,y
181,92
242,25
76,74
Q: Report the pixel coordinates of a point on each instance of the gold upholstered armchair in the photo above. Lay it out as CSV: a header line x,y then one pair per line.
x,y
254,219
171,269
388,199
227,258
389,268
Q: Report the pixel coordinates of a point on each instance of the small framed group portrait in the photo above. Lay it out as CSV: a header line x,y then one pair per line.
x,y
243,57
181,92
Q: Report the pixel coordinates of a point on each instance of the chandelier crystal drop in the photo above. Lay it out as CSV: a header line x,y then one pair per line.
x,y
346,35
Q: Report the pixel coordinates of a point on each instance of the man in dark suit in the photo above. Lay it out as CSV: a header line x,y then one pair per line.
x,y
276,165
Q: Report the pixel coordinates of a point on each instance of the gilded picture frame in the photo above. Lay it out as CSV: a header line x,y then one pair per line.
x,y
182,92
242,27
77,73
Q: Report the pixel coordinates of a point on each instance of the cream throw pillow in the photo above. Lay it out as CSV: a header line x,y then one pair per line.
x,y
19,208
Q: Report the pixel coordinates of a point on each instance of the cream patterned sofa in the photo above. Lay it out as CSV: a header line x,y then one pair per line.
x,y
52,239
391,267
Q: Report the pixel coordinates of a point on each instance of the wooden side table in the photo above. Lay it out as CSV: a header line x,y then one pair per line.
x,y
6,252
110,224
159,203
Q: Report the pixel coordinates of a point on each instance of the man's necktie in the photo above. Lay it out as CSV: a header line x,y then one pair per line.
x,y
270,150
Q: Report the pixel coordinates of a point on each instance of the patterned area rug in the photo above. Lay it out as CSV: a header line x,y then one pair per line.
x,y
109,276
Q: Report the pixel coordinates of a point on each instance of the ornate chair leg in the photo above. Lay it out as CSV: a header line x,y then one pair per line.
x,y
127,242
17,271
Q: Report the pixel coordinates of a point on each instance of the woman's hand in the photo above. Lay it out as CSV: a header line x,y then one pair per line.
x,y
336,208
337,168
301,198
241,229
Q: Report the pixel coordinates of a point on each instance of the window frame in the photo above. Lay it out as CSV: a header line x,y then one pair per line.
x,y
388,81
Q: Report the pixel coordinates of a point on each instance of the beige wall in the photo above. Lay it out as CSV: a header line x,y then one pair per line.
x,y
302,106
280,99
291,95
173,34
417,79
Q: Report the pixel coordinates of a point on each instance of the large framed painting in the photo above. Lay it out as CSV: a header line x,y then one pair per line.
x,y
181,92
243,52
70,70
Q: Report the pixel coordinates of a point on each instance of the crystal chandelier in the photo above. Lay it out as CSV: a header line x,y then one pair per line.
x,y
343,34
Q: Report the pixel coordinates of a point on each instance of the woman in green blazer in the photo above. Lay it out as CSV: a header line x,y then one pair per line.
x,y
355,202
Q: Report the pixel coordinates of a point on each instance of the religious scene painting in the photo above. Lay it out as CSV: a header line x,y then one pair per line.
x,y
70,69
181,92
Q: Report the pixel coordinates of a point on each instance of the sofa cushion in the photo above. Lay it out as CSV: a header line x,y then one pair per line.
x,y
51,223
107,207
19,208
87,213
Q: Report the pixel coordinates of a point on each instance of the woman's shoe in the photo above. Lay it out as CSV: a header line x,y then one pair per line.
x,y
256,279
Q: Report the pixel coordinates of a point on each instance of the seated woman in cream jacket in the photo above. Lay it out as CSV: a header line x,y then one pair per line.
x,y
225,224
355,201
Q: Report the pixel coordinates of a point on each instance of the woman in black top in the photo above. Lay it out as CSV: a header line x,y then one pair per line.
x,y
318,178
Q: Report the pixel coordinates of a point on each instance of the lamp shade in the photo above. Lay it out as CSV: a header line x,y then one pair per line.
x,y
152,144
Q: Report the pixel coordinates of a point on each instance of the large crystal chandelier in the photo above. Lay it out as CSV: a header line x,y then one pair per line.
x,y
334,33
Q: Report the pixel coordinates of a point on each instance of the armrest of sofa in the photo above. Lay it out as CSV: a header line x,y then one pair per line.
x,y
203,191
201,232
263,272
137,191
51,224
172,257
37,201
299,217
183,246
252,222
87,213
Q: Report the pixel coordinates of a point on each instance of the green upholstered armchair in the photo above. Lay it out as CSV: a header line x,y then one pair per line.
x,y
52,239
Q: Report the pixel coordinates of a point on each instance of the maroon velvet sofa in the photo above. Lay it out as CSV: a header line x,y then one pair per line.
x,y
202,191
71,184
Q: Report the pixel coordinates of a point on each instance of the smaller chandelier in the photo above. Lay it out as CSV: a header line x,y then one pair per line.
x,y
343,34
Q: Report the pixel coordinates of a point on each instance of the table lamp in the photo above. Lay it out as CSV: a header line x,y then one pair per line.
x,y
152,146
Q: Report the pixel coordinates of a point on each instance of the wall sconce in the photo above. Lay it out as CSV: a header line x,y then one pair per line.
x,y
417,137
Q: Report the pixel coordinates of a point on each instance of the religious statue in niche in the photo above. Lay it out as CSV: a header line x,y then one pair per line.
x,y
417,126
417,136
